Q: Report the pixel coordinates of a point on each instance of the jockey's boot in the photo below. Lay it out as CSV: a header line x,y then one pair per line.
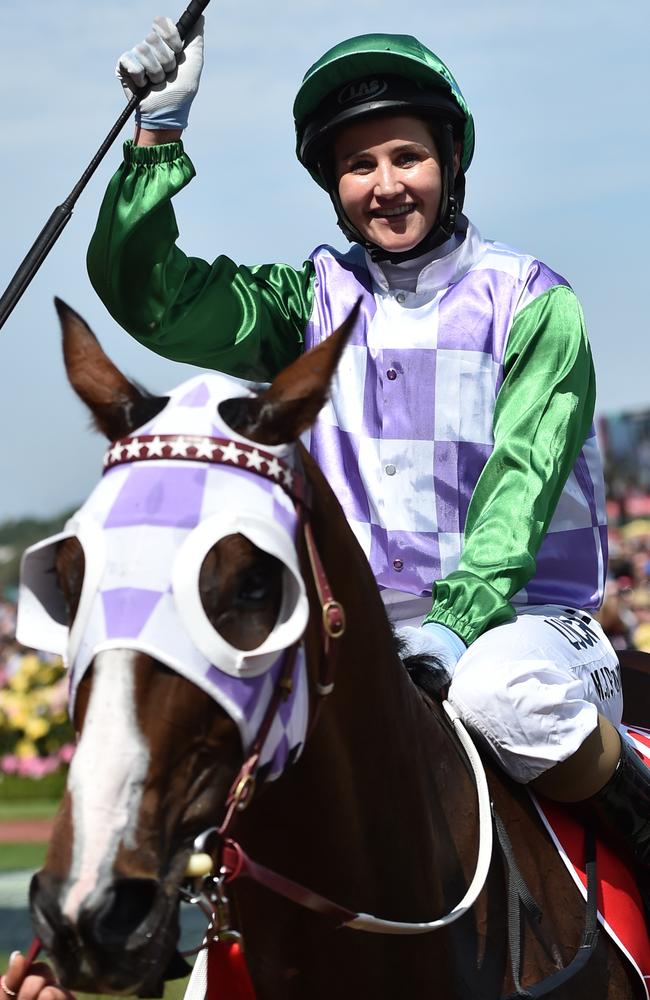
x,y
622,808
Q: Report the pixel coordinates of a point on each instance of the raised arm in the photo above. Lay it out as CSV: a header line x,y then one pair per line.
x,y
172,70
248,321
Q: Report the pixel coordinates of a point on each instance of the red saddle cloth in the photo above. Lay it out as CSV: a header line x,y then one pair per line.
x,y
620,910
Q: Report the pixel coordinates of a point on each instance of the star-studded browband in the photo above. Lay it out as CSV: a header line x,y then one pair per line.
x,y
201,448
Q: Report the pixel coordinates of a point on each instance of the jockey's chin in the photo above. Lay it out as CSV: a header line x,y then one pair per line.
x,y
389,180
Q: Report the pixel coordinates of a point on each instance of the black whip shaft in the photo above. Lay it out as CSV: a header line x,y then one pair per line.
x,y
59,218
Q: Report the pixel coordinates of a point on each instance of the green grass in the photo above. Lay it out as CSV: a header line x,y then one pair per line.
x,y
21,857
48,789
27,808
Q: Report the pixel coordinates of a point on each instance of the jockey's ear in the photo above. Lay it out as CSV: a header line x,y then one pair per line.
x,y
117,405
295,397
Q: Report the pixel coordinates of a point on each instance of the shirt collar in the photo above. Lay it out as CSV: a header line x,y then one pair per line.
x,y
434,270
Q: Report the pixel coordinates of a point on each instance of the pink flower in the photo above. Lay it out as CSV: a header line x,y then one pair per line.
x,y
24,764
37,767
9,764
66,752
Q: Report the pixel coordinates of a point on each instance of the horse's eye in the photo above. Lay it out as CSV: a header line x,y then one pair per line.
x,y
254,588
241,591
69,568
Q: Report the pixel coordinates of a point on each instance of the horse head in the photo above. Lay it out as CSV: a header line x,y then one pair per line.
x,y
173,594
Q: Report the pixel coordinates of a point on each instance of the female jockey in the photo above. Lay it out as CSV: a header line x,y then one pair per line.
x,y
459,434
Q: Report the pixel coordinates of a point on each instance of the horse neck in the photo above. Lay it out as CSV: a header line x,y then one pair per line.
x,y
378,765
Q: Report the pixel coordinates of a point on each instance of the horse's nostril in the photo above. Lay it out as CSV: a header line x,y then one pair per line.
x,y
127,904
44,893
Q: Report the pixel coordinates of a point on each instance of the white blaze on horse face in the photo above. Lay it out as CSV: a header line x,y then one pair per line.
x,y
106,776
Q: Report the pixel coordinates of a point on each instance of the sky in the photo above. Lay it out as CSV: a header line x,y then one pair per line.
x,y
559,94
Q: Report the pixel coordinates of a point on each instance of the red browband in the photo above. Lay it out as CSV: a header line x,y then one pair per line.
x,y
214,450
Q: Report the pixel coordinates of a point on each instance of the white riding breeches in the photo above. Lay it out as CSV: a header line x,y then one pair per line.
x,y
532,688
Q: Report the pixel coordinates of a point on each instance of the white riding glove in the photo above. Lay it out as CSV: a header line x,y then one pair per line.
x,y
433,639
173,72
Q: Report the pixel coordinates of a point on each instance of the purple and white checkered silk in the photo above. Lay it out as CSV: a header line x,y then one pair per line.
x,y
408,427
137,528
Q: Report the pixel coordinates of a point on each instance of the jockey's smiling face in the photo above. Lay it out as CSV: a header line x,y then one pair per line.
x,y
389,178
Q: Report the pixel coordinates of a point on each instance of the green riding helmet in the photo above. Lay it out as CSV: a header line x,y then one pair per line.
x,y
384,74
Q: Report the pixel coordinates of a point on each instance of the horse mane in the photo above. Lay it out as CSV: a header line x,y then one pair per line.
x,y
425,670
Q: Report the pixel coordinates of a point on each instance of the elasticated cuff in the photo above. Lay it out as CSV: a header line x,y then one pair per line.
x,y
150,156
468,631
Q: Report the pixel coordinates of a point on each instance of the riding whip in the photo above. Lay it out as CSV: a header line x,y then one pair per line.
x,y
54,226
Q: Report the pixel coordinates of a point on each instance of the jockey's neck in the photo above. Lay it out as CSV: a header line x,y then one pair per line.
x,y
404,276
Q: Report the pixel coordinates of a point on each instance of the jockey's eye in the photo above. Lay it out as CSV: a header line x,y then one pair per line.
x,y
361,166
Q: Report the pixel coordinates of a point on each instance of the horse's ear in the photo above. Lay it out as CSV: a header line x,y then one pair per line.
x,y
295,397
117,405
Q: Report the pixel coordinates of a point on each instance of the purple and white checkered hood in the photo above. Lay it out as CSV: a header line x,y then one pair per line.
x,y
145,531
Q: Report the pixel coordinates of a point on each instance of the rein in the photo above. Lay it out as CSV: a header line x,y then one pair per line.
x,y
220,954
235,864
231,860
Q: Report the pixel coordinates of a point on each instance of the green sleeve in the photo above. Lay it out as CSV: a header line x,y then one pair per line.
x,y
246,321
542,417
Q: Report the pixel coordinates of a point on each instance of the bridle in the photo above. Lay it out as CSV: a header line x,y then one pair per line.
x,y
220,955
253,459
215,849
230,859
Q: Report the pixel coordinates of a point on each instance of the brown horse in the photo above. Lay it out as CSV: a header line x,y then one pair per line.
x,y
379,812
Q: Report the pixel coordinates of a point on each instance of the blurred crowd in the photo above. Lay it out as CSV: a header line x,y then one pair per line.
x,y
36,737
625,614
8,645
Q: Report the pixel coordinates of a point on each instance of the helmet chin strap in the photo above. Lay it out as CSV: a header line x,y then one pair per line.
x,y
451,203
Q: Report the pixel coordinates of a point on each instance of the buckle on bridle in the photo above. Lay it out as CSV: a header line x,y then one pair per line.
x,y
210,896
333,619
243,792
